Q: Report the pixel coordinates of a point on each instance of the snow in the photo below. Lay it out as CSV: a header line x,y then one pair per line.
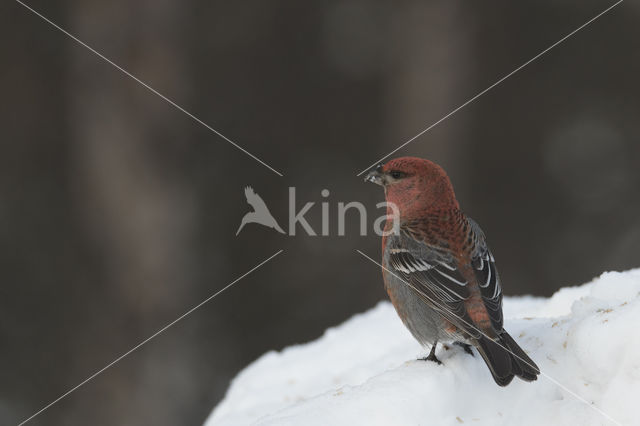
x,y
365,371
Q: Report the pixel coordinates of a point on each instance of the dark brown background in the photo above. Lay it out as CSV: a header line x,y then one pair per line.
x,y
118,213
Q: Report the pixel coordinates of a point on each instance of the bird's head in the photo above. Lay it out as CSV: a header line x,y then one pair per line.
x,y
415,185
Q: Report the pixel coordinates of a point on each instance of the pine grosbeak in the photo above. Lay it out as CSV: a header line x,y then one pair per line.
x,y
439,272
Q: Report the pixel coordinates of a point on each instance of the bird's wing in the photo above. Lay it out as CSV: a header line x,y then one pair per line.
x,y
254,199
484,268
433,273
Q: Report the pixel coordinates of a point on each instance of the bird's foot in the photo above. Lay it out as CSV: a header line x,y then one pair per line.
x,y
465,346
432,356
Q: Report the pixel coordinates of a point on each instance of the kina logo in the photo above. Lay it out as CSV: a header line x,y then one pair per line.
x,y
260,213
386,223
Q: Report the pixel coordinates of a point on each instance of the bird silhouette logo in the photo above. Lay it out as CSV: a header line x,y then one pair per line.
x,y
260,213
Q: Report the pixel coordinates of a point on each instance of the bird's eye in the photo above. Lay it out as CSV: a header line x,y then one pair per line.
x,y
397,174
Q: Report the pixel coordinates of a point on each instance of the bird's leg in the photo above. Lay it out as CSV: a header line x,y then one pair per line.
x,y
432,354
465,346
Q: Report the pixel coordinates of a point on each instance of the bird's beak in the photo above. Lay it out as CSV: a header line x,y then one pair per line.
x,y
375,175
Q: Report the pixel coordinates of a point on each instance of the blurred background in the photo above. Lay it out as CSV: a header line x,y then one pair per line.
x,y
118,213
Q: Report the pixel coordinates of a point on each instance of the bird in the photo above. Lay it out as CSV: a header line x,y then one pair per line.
x,y
439,272
260,213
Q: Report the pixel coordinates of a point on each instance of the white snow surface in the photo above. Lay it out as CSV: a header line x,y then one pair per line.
x,y
365,371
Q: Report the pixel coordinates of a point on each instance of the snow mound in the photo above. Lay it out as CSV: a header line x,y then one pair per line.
x,y
365,371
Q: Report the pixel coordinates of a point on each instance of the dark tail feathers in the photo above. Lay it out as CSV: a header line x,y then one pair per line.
x,y
506,359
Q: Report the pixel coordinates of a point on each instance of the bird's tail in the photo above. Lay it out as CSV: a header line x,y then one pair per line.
x,y
506,359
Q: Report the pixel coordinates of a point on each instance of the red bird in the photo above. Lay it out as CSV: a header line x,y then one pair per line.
x,y
439,272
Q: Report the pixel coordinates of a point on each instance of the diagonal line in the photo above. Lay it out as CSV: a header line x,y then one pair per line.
x,y
146,86
493,85
499,344
163,329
